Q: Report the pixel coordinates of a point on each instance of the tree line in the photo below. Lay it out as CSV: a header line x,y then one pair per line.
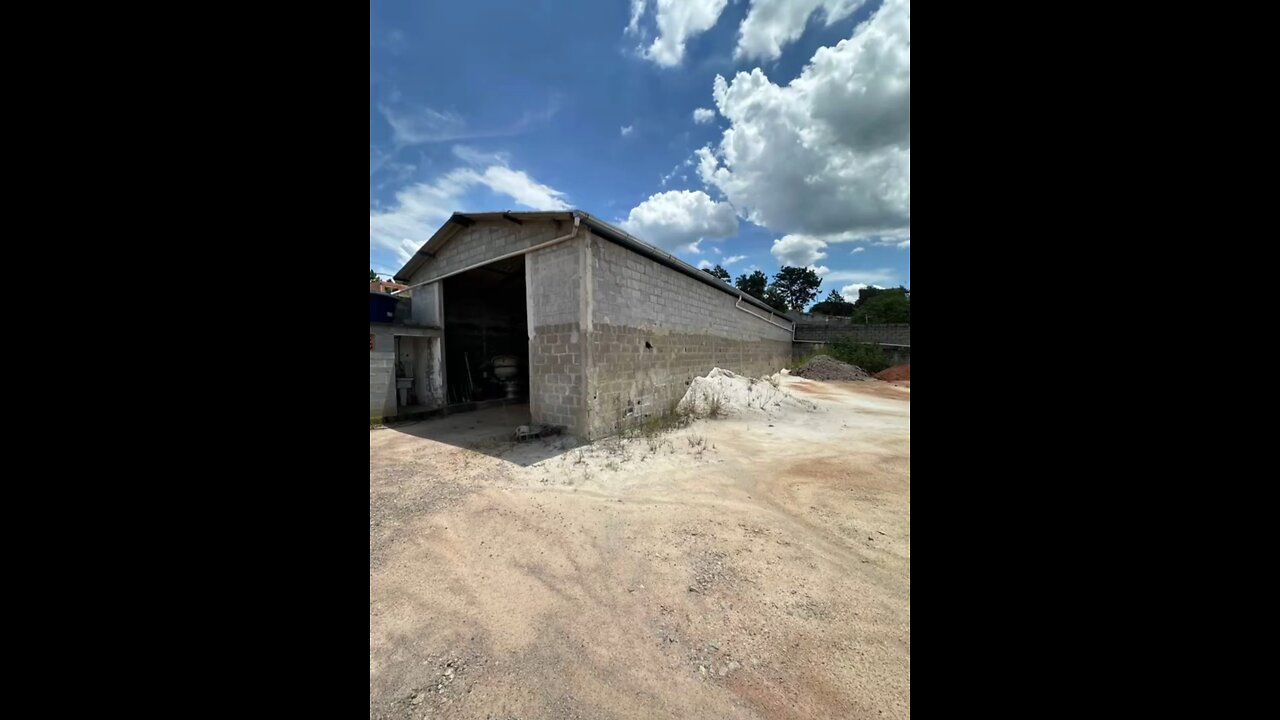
x,y
793,288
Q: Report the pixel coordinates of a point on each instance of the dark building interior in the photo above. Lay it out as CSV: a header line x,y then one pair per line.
x,y
486,334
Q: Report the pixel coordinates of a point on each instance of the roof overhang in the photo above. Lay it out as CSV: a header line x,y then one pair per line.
x,y
461,221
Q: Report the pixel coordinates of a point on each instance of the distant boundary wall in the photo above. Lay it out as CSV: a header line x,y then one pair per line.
x,y
832,328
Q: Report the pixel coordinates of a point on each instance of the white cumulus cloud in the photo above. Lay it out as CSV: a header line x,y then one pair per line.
x,y
637,10
798,250
733,259
679,218
850,292
828,155
678,22
772,24
703,116
626,130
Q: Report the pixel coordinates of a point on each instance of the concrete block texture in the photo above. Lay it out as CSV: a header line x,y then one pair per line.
x,y
654,329
485,241
553,291
557,378
613,336
630,290
382,374
642,372
829,329
553,285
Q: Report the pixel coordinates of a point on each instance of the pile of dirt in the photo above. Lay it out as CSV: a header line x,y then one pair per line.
x,y
825,367
723,392
895,373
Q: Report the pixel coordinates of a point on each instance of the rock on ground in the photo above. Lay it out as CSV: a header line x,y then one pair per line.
x,y
825,367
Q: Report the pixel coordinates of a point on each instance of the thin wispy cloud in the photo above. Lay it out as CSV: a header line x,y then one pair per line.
x,y
879,275
419,125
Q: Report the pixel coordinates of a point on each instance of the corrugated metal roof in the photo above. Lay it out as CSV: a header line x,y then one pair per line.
x,y
458,221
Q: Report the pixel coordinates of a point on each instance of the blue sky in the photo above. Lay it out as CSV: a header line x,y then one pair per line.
x,y
752,134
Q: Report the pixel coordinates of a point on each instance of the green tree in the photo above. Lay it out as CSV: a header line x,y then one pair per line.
x,y
373,276
717,271
753,284
775,298
868,356
883,305
834,305
797,285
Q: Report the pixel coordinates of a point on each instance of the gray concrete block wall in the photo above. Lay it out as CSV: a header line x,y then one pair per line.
x,y
552,284
556,377
593,305
382,374
654,329
553,298
832,328
639,373
427,305
634,291
485,240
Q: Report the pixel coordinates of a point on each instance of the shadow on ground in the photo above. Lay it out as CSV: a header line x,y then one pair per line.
x,y
490,431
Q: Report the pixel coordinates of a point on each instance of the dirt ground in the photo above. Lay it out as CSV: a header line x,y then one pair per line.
x,y
736,568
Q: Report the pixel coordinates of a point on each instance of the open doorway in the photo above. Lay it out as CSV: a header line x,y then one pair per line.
x,y
486,334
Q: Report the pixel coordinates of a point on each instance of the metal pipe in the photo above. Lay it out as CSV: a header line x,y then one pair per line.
x,y
769,319
549,243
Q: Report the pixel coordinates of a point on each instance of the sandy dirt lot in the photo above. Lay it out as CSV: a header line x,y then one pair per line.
x,y
742,567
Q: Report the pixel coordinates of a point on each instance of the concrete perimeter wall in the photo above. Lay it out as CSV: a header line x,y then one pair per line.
x,y
652,329
830,329
382,374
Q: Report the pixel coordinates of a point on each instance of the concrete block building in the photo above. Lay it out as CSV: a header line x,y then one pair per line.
x,y
602,328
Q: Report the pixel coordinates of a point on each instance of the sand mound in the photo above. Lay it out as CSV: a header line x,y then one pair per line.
x,y
895,373
726,393
825,367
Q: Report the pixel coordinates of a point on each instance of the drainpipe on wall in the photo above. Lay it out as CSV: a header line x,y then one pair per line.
x,y
766,319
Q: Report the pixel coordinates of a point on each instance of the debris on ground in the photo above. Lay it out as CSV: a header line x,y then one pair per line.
x,y
825,367
895,373
723,392
527,432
